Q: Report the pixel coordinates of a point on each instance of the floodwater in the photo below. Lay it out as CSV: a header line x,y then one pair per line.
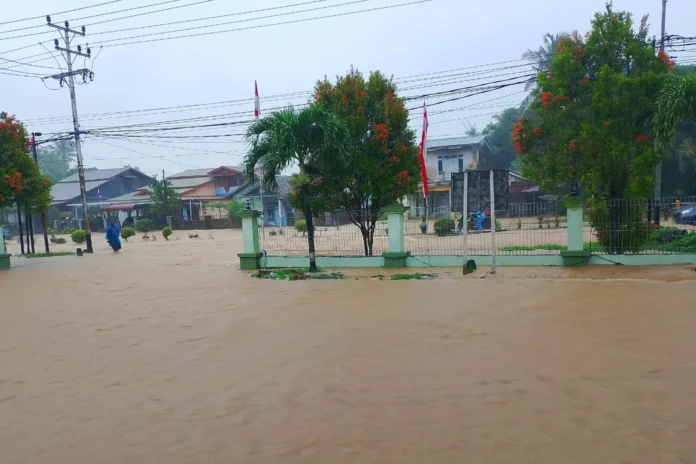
x,y
166,353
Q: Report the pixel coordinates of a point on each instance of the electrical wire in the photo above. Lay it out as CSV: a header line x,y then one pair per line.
x,y
199,34
219,104
97,15
113,19
60,12
152,34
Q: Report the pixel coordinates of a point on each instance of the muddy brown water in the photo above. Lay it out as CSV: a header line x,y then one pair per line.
x,y
166,353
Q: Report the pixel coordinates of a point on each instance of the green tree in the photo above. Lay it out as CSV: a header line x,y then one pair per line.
x,y
382,164
591,116
309,138
499,135
164,199
21,181
56,159
544,55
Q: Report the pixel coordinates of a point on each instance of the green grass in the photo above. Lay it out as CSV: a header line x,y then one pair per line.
x,y
297,274
416,276
589,246
50,255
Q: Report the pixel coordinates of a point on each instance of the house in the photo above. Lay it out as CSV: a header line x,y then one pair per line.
x,y
101,184
445,156
276,209
196,188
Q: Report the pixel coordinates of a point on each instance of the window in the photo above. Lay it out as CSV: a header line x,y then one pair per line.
x,y
450,163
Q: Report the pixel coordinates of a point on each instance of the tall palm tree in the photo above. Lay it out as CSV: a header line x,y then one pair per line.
x,y
542,57
308,137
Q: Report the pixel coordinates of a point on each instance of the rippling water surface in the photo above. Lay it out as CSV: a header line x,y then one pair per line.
x,y
165,353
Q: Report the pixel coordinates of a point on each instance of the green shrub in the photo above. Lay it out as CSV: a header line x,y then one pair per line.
x,y
78,236
127,232
443,226
166,232
621,228
143,225
301,226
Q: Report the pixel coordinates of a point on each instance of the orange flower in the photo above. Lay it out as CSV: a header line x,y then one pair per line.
x,y
641,138
546,99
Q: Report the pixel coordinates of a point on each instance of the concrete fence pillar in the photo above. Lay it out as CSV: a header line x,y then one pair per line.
x,y
4,257
396,255
576,253
251,257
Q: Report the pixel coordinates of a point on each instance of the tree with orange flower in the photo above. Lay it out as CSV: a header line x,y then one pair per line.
x,y
382,165
21,182
591,117
591,124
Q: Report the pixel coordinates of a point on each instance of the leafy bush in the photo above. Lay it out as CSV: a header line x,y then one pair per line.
x,y
301,226
443,226
127,232
166,232
621,228
143,225
58,240
78,236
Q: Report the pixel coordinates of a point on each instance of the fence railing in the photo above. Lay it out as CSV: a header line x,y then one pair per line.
x,y
628,226
540,228
329,240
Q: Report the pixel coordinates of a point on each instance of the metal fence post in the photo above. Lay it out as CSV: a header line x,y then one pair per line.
x,y
493,250
465,223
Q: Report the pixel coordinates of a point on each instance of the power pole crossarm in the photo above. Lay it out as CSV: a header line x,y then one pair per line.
x,y
68,52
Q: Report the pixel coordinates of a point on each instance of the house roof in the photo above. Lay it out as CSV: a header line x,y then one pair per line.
x,y
95,175
249,189
453,142
69,188
203,172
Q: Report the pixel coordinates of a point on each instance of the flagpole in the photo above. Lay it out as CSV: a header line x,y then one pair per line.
x,y
424,174
257,113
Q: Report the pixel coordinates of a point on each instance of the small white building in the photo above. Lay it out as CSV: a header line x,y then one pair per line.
x,y
445,156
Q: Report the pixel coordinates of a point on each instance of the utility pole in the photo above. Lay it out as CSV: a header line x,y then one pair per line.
x,y
43,213
71,85
658,170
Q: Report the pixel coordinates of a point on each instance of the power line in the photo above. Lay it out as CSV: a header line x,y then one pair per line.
x,y
121,18
215,17
263,25
225,103
98,15
228,22
60,12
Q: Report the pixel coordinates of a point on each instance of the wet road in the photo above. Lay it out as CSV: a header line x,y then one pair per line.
x,y
165,353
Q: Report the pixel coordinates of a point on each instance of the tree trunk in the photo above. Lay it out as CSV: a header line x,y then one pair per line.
x,y
310,230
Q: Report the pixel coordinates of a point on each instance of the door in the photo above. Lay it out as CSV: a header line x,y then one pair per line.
x,y
271,214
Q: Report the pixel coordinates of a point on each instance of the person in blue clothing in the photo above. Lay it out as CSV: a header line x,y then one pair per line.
x,y
480,218
113,236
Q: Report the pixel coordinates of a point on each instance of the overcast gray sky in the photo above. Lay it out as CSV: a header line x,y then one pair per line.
x,y
405,41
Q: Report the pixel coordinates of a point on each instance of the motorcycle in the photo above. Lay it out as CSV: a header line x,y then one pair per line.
x,y
471,221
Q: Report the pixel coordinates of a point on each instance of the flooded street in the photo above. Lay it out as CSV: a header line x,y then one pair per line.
x,y
166,353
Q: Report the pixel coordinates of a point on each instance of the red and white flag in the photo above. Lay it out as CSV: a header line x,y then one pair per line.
x,y
424,151
257,103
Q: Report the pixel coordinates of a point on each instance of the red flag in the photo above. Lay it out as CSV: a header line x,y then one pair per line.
x,y
424,151
257,103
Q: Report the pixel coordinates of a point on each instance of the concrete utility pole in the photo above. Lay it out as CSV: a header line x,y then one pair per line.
x,y
658,170
71,85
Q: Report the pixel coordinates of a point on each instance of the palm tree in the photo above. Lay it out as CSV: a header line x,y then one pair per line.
x,y
675,103
544,55
308,137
